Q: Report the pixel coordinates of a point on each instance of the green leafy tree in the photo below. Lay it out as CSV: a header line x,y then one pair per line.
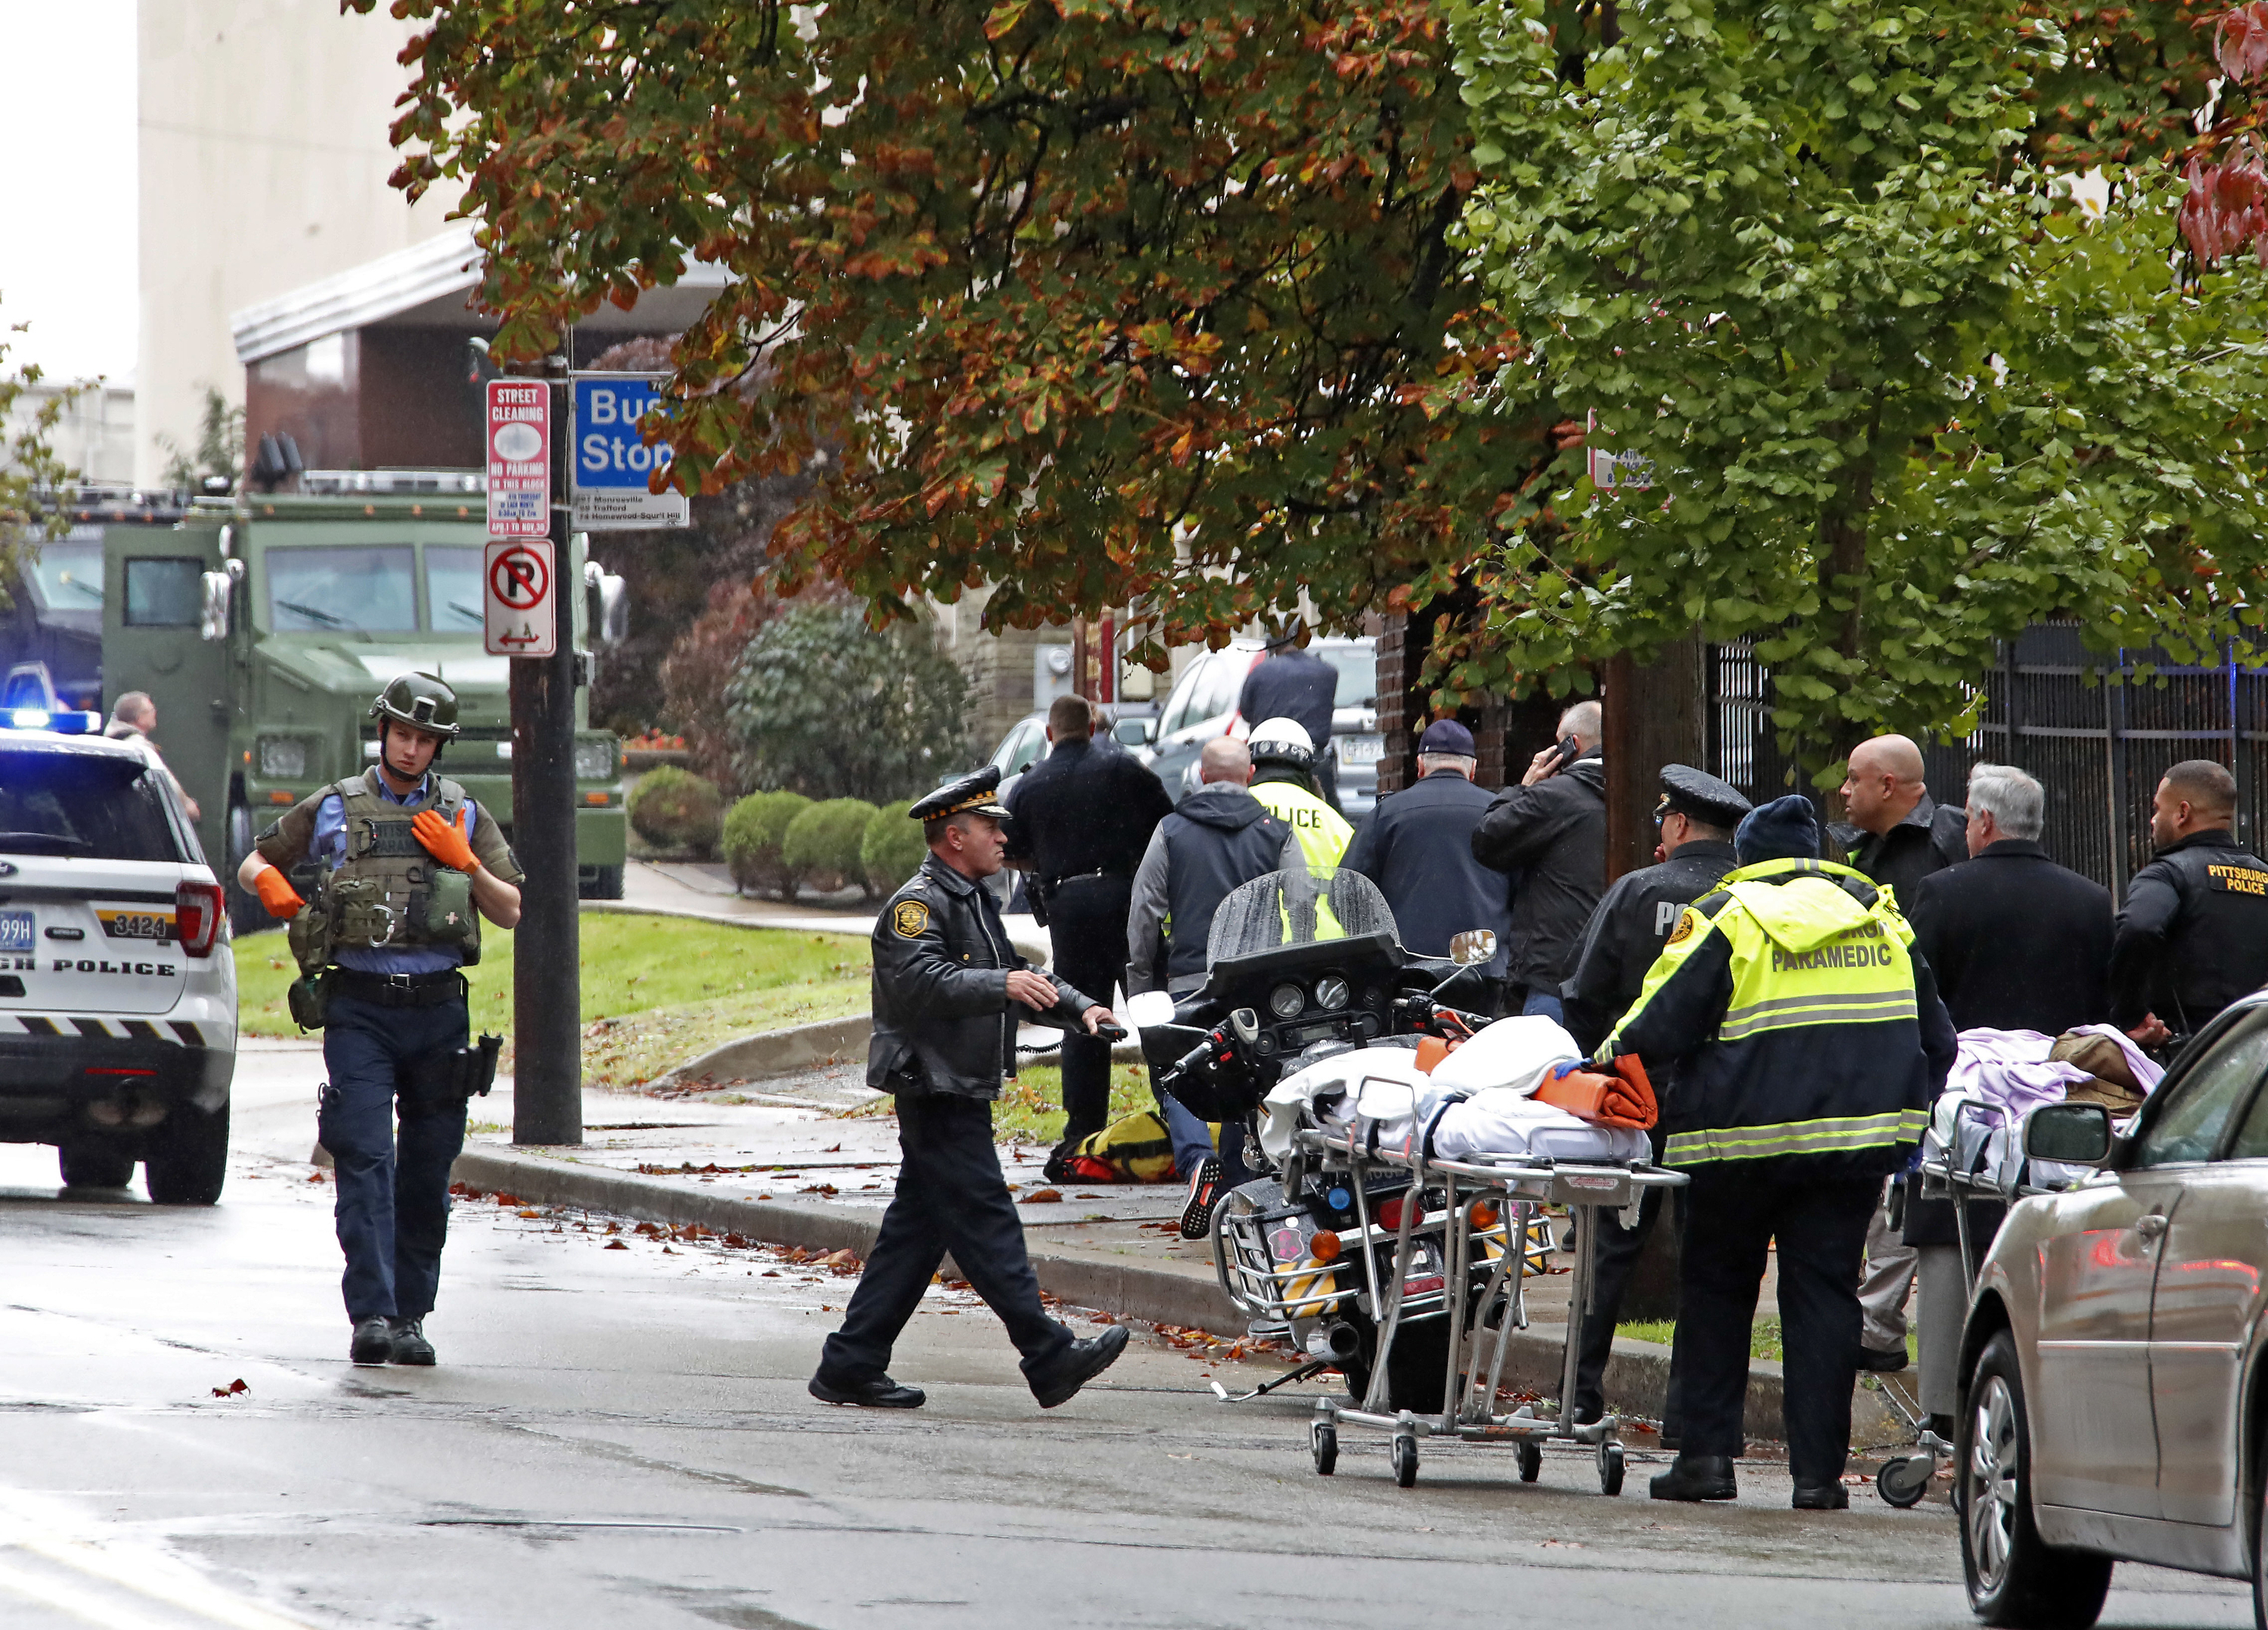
x,y
1098,301
217,462
825,706
1897,395
29,465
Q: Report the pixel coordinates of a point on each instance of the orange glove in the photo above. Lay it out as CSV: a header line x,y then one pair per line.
x,y
444,842
277,895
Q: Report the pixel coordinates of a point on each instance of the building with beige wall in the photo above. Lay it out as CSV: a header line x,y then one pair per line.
x,y
264,159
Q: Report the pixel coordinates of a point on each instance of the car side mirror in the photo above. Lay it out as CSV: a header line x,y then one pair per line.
x,y
213,622
1473,947
2075,1134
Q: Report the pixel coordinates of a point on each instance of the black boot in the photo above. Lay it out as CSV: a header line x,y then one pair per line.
x,y
1697,1477
373,1342
1822,1497
1081,1363
409,1344
881,1392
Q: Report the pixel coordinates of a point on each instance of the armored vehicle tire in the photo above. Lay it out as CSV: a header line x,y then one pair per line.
x,y
187,1161
607,885
94,1166
245,914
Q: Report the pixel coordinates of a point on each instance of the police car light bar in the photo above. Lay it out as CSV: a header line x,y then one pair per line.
x,y
69,724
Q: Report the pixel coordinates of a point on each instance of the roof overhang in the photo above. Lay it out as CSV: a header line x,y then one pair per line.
x,y
430,285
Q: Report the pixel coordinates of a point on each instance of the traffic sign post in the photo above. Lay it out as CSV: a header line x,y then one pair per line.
x,y
524,581
518,423
612,464
516,579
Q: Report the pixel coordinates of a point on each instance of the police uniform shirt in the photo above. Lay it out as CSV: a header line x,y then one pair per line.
x,y
2193,936
316,826
1627,931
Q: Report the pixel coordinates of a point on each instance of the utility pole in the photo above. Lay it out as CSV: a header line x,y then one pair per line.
x,y
546,980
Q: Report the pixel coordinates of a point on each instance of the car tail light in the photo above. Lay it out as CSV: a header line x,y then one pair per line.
x,y
198,909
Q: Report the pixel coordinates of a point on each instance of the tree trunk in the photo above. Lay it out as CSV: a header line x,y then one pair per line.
x,y
1653,717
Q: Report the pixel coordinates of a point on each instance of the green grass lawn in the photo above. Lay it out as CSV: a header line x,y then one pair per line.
x,y
656,991
1030,1108
1763,1342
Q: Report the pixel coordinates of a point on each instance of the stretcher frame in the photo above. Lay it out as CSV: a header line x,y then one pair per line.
x,y
1520,1187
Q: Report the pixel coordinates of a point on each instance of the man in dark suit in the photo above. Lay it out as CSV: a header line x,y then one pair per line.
x,y
2017,943
1418,849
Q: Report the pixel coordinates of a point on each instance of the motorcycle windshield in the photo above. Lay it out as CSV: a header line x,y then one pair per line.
x,y
1297,907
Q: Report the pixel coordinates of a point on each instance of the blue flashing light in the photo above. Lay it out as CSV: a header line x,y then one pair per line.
x,y
29,718
69,724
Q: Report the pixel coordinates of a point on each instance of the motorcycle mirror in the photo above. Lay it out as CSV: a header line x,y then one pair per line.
x,y
1246,1024
1149,1009
1473,947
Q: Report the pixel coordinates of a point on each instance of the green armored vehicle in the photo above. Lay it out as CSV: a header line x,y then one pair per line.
x,y
262,625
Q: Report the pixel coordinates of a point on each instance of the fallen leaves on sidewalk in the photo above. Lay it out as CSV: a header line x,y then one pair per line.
x,y
234,1389
1042,1197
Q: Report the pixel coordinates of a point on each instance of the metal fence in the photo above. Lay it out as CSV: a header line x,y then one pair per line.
x,y
2099,748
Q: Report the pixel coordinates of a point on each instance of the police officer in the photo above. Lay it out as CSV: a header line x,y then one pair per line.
x,y
1808,1042
1418,847
2193,936
1291,683
406,866
1081,819
949,989
1283,780
1696,816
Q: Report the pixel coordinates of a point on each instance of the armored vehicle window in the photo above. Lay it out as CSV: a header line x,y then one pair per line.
x,y
452,590
76,804
322,590
68,575
164,592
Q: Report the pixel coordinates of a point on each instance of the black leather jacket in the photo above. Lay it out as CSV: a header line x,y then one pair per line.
x,y
942,1018
2193,934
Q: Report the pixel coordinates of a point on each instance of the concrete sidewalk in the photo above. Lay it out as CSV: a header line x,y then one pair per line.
x,y
808,1157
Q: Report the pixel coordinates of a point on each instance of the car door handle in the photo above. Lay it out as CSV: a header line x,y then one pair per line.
x,y
2150,1225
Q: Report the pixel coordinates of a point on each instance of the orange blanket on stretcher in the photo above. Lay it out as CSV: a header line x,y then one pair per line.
x,y
1624,1098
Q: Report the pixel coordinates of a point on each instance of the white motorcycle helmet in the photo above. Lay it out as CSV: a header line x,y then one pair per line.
x,y
1283,741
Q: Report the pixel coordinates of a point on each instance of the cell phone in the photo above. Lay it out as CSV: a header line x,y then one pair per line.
x,y
1571,748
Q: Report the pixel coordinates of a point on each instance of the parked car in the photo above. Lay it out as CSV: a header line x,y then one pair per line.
x,y
1203,706
2115,1363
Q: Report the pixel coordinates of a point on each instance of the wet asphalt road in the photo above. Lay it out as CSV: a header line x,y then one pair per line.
x,y
621,1438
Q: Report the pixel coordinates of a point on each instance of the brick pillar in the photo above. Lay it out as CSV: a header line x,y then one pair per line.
x,y
1397,706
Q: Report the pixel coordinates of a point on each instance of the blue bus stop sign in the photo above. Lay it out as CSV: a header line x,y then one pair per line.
x,y
612,461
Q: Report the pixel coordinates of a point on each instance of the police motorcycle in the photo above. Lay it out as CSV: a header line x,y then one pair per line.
x,y
1302,965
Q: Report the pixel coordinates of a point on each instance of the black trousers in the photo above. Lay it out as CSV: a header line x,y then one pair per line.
x,y
1615,1253
1086,923
1734,1210
950,1197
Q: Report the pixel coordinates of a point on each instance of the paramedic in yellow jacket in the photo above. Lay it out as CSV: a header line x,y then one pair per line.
x,y
1808,1043
1284,780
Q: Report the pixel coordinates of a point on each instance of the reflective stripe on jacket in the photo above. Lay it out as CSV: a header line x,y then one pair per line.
x,y
1801,1027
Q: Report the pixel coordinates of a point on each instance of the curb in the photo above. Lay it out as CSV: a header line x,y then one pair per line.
x,y
1637,1378
778,1052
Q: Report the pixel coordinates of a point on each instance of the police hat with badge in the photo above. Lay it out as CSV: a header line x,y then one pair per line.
x,y
978,794
1699,796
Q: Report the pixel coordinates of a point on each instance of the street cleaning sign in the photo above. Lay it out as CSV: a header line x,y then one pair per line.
x,y
612,461
516,585
518,425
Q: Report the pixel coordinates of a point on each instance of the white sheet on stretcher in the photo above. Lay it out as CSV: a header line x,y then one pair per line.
x,y
1504,1121
1511,1055
1307,1091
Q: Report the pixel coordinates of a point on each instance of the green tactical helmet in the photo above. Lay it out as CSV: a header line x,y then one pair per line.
x,y
420,701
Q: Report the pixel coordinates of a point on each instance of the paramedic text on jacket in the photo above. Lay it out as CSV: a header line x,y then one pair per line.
x,y
1805,1030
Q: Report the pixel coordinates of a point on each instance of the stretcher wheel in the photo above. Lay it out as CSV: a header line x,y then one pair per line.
x,y
1610,1467
1903,1482
1531,1461
1324,1441
1405,1459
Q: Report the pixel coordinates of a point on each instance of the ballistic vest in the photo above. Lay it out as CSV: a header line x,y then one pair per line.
x,y
386,891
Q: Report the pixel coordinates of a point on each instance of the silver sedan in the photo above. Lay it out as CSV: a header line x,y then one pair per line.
x,y
2114,1393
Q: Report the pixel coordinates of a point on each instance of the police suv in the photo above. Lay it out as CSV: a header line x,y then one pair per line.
x,y
117,988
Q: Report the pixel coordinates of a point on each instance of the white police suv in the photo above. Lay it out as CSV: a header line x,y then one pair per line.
x,y
117,988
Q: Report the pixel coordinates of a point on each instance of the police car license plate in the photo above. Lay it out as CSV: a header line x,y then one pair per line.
x,y
1361,749
16,931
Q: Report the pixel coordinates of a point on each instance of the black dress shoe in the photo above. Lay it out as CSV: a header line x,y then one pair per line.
x,y
372,1343
1882,1360
879,1393
1826,1497
409,1344
1696,1476
1083,1363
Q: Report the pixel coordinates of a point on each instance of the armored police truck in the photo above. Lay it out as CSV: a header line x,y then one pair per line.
x,y
263,623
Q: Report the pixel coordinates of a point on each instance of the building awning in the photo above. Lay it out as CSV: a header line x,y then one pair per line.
x,y
429,286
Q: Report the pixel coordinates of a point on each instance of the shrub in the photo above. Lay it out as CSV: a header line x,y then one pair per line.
x,y
892,850
823,703
821,847
754,828
675,809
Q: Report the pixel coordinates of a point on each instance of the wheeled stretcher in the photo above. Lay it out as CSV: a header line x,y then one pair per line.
x,y
1431,1268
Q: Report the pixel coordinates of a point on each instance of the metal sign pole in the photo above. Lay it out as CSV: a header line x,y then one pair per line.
x,y
545,982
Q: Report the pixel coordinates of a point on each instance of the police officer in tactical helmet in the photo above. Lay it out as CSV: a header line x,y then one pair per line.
x,y
403,868
1283,780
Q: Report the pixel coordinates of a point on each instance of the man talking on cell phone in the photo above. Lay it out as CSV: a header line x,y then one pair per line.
x,y
1549,835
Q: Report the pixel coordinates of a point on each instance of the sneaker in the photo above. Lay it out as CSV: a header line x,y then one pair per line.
x,y
879,1393
373,1341
1696,1476
1081,1364
1204,1195
409,1344
1882,1360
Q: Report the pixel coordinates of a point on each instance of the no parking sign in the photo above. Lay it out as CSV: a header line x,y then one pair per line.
x,y
516,585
